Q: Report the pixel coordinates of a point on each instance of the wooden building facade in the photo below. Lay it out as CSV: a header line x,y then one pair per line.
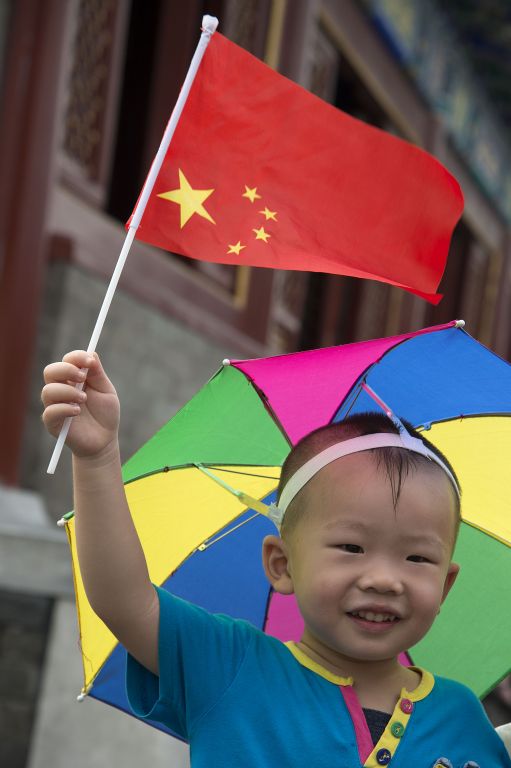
x,y
87,87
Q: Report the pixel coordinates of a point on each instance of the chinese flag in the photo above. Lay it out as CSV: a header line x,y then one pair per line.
x,y
261,172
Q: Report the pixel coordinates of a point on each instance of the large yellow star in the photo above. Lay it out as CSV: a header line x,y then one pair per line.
x,y
236,248
190,200
261,234
269,214
251,193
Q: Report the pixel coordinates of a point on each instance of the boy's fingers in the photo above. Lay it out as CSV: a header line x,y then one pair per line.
x,y
61,393
54,415
70,369
60,372
80,358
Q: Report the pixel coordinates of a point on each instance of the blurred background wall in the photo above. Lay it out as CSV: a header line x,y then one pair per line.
x,y
86,88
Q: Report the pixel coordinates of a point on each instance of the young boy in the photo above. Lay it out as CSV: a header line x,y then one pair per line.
x,y
369,527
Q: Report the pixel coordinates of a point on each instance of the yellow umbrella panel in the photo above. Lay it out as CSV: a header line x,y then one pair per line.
x,y
175,512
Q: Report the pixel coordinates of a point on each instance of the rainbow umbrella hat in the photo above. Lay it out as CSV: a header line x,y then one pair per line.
x,y
203,543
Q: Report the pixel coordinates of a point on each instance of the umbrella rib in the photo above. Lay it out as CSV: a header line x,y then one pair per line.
x,y
354,394
189,465
205,545
266,403
243,497
245,474
426,425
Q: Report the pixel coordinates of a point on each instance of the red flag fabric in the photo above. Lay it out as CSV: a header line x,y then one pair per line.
x,y
262,172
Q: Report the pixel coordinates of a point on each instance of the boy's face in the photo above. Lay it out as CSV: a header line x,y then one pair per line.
x,y
369,578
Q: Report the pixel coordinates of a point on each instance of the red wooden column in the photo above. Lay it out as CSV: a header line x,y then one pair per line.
x,y
502,328
27,120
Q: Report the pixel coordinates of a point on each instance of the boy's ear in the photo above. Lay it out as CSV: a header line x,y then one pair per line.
x,y
452,573
275,563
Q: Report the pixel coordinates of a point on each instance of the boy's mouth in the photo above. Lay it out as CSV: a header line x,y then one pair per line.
x,y
376,618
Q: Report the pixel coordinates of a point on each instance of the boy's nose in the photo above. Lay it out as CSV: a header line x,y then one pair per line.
x,y
381,577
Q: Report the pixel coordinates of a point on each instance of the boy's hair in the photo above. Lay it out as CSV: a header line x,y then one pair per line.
x,y
397,462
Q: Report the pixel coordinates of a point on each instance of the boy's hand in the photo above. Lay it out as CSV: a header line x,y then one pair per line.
x,y
95,411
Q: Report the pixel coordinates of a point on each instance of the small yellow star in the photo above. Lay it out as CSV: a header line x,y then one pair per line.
x,y
269,214
251,193
189,200
236,248
261,234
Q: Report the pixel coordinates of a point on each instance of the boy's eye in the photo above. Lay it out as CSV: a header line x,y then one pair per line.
x,y
418,559
355,549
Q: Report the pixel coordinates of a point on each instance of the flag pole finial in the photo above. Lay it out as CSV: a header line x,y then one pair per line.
x,y
209,24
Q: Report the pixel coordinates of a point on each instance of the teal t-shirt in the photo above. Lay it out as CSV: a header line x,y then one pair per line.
x,y
243,699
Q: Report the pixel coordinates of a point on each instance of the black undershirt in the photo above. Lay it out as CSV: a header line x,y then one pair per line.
x,y
377,722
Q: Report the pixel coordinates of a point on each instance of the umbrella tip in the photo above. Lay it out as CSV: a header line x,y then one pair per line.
x,y
81,696
61,523
226,362
459,323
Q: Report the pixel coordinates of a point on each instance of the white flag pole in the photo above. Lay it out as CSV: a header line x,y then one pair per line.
x,y
209,25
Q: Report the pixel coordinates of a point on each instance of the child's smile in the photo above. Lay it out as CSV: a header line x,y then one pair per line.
x,y
374,619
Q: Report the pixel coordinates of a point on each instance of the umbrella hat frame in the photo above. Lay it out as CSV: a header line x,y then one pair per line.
x,y
203,543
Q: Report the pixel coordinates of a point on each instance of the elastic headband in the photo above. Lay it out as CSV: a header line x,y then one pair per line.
x,y
355,445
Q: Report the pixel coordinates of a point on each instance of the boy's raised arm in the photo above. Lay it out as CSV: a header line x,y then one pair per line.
x,y
112,562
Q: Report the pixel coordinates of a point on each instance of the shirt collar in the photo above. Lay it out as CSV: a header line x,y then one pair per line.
x,y
420,692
